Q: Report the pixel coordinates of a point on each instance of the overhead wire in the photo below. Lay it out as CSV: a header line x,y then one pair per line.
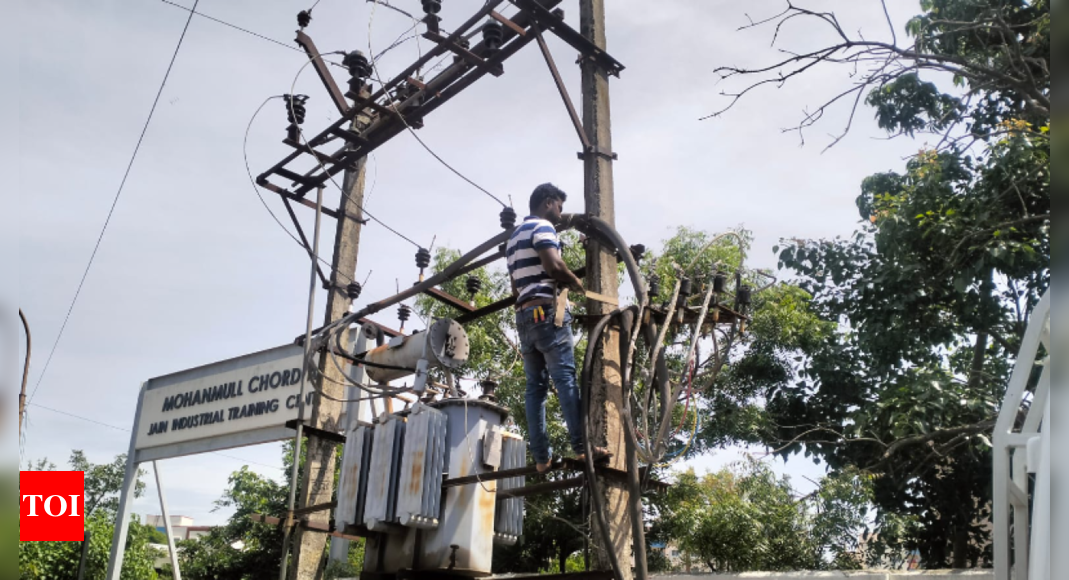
x,y
244,30
375,69
115,202
256,190
319,161
117,428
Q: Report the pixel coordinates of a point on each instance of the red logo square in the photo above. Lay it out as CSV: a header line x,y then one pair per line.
x,y
51,506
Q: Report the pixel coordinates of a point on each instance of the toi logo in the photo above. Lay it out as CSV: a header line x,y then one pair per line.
x,y
51,506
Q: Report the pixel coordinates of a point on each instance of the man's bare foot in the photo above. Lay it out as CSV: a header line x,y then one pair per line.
x,y
543,467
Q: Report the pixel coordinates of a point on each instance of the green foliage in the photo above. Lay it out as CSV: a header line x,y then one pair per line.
x,y
749,519
241,549
554,525
156,536
931,296
49,560
103,483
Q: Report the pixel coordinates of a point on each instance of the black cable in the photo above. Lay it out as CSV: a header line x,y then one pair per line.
x,y
245,155
412,131
586,379
341,190
117,428
115,201
245,30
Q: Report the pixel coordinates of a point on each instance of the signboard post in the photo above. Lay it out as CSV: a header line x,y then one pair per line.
x,y
232,403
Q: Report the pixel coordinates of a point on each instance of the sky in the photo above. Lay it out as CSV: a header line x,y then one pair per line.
x,y
193,269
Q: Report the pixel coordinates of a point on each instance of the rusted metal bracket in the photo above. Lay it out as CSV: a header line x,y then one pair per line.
x,y
315,508
449,299
538,488
573,37
576,121
566,464
472,58
409,110
304,239
316,431
308,525
510,24
598,151
321,69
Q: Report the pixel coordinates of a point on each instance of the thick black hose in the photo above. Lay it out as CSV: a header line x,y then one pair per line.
x,y
597,227
634,504
584,383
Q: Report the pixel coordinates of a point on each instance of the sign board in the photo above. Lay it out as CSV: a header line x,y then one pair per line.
x,y
252,392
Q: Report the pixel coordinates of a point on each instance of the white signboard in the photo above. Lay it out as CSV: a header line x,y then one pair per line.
x,y
255,391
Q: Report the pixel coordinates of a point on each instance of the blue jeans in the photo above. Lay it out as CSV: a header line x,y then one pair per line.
x,y
548,354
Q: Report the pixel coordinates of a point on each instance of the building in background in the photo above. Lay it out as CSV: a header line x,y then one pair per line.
x,y
181,526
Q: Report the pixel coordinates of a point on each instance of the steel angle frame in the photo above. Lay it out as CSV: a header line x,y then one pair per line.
x,y
390,115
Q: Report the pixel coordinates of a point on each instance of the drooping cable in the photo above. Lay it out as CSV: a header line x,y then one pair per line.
x,y
248,170
322,167
244,30
117,428
115,201
412,131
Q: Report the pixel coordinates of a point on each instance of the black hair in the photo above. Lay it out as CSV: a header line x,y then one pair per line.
x,y
544,192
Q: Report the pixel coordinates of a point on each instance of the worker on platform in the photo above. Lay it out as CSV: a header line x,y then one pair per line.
x,y
537,271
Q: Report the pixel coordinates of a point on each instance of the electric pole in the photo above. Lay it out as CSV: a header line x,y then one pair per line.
x,y
606,402
25,371
317,477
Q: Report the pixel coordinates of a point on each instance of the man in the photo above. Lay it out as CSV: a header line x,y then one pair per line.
x,y
536,270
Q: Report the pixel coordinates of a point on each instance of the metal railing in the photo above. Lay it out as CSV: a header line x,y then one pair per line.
x,y
1018,442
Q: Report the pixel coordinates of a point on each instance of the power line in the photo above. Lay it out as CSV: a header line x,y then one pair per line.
x,y
245,30
375,68
115,201
252,181
319,161
117,428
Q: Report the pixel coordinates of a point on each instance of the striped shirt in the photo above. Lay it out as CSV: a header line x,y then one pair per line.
x,y
525,267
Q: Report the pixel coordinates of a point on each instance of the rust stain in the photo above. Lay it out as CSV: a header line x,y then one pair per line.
x,y
487,504
416,481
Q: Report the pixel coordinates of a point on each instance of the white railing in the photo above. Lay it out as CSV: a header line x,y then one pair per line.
x,y
1022,450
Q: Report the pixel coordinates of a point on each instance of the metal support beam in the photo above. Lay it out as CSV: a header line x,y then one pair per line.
x,y
126,499
172,551
446,298
437,91
324,74
538,488
591,50
576,121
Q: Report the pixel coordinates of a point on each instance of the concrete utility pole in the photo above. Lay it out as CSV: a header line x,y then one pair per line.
x,y
317,477
601,277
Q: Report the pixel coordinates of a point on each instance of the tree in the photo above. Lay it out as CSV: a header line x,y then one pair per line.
x,y
103,483
243,549
930,297
555,525
47,560
747,518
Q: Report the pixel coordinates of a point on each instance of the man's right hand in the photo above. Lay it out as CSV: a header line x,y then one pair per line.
x,y
576,286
